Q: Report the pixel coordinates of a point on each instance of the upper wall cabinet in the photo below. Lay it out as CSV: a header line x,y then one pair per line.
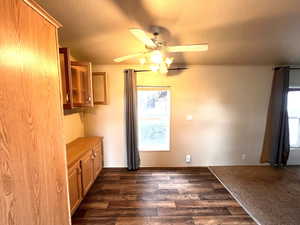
x,y
76,80
66,79
100,88
82,92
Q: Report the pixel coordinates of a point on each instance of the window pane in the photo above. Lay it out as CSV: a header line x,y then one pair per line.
x,y
153,119
294,132
154,135
294,118
153,103
294,104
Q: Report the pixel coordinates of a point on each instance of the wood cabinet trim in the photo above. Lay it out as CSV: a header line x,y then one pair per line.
x,y
76,169
105,101
86,154
90,102
87,174
43,13
68,77
78,148
33,167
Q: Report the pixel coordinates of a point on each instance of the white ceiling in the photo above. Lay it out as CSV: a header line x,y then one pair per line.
x,y
237,31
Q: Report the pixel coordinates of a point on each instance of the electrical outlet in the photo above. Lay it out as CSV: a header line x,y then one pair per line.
x,y
188,158
244,156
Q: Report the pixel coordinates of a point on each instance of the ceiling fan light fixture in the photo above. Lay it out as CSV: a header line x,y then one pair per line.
x,y
154,68
142,61
156,49
157,57
163,69
169,61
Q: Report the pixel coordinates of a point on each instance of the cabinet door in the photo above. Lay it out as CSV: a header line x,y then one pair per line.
x,y
82,84
75,187
100,89
66,79
33,175
87,168
97,160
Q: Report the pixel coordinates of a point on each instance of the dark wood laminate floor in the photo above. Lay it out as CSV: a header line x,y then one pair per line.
x,y
190,196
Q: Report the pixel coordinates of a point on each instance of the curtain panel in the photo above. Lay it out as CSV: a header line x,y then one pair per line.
x,y
133,157
276,145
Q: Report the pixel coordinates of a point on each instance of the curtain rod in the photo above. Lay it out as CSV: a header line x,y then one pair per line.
x,y
296,68
178,68
290,68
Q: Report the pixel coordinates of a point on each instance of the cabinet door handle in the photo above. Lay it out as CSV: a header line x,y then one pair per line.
x,y
67,97
95,154
89,99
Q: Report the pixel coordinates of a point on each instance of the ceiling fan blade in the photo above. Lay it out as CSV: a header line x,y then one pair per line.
x,y
123,58
188,48
141,36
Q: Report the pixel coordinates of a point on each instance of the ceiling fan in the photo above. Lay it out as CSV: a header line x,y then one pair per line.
x,y
155,50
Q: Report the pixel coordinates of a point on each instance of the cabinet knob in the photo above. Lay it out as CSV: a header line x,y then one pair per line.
x,y
89,99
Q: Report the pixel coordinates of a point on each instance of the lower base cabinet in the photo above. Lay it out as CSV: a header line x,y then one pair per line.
x,y
84,156
87,166
97,159
75,187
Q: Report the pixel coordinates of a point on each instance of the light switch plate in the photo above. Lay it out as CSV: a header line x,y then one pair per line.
x,y
189,117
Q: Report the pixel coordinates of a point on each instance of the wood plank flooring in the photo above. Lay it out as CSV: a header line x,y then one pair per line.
x,y
188,196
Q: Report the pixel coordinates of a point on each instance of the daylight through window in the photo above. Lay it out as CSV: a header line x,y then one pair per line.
x,y
294,118
154,119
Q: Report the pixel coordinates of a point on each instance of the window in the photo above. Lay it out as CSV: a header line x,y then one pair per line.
x,y
294,118
154,118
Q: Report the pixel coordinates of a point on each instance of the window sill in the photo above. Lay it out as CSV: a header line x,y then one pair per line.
x,y
295,148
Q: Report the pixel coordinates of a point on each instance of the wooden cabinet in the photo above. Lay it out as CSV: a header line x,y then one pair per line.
x,y
66,79
33,175
75,186
97,160
100,90
84,156
87,166
81,73
76,81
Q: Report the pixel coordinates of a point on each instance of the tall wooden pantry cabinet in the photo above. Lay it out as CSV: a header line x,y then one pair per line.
x,y
33,181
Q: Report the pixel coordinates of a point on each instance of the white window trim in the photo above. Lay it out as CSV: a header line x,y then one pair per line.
x,y
159,88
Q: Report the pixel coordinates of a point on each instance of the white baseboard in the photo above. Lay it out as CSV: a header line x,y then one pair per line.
x,y
115,164
112,164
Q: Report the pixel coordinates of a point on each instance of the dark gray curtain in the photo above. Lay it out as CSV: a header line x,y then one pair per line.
x,y
133,157
276,143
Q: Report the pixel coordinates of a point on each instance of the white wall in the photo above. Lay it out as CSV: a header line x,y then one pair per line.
x,y
228,104
73,126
